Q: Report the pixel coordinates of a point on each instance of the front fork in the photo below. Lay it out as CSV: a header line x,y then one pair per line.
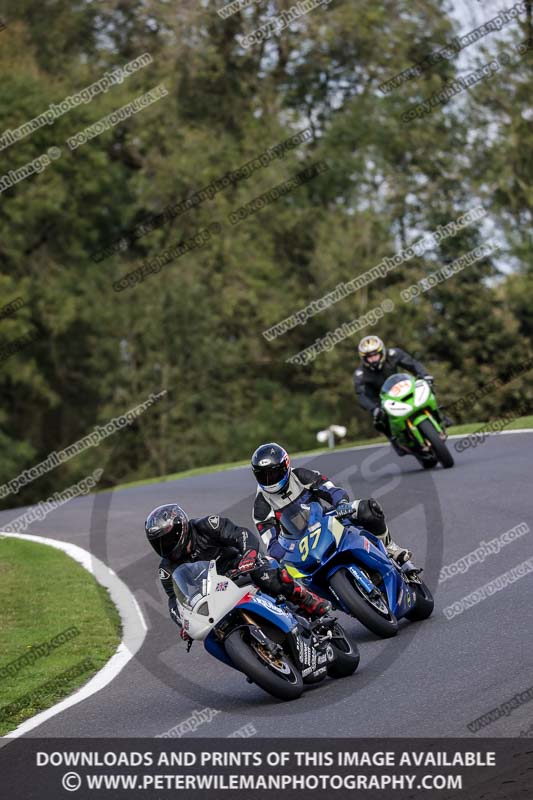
x,y
413,424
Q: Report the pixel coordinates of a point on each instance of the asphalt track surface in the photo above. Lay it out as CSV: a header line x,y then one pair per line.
x,y
431,680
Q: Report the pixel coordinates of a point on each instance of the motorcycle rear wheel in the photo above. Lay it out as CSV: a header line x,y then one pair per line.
x,y
424,603
346,655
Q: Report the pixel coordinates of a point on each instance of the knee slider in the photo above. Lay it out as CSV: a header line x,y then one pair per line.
x,y
375,508
370,515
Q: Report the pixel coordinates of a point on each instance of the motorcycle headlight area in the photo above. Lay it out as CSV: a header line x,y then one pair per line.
x,y
396,408
421,392
198,605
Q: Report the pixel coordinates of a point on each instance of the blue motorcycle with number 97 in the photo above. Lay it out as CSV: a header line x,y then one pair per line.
x,y
351,568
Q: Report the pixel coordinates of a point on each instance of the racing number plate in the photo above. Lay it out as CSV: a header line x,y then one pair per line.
x,y
399,388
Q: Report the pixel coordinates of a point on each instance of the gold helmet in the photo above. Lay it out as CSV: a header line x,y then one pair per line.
x,y
373,352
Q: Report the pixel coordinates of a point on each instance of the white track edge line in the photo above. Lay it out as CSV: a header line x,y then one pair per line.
x,y
133,629
338,450
302,456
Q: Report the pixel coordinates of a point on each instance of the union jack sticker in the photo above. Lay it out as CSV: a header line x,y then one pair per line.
x,y
222,586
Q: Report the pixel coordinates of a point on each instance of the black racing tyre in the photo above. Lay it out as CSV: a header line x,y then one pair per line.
x,y
427,463
360,607
285,684
440,448
424,603
346,655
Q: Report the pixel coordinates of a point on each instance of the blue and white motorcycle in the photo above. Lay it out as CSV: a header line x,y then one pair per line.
x,y
353,571
264,638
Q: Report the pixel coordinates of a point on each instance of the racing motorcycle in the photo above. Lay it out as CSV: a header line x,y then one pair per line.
x,y
351,568
261,636
415,420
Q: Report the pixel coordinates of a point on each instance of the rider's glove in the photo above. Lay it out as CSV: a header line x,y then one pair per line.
x,y
429,379
345,510
378,414
185,636
248,561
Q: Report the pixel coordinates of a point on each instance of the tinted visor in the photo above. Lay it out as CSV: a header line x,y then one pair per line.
x,y
164,543
270,475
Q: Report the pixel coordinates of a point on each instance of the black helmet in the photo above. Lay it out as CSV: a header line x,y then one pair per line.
x,y
271,466
167,530
373,352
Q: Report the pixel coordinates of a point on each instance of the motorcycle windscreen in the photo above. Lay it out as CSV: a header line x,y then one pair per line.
x,y
398,385
190,582
295,521
308,538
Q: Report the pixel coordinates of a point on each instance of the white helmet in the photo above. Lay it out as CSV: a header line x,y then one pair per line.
x,y
373,352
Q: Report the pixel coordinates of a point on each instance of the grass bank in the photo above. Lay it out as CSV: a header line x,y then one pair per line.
x,y
58,627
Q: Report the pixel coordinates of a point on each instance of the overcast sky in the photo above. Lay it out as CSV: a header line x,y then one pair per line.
x,y
472,13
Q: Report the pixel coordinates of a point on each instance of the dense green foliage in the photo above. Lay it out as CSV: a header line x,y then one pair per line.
x,y
195,328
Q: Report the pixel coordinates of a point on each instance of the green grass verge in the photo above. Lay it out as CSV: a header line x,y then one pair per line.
x,y
471,427
43,593
522,422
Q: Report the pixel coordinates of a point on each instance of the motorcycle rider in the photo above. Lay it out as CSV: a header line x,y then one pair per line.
x,y
377,364
178,540
279,486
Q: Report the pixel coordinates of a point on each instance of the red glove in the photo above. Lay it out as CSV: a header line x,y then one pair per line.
x,y
184,635
248,562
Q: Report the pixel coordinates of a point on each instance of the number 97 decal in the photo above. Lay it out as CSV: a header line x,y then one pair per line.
x,y
303,545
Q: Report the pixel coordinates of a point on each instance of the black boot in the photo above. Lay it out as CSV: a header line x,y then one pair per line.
x,y
310,603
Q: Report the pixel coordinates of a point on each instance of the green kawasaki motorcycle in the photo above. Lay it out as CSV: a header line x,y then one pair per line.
x,y
415,420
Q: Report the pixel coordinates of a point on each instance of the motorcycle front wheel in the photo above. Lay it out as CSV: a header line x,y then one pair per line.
x,y
276,675
429,432
346,655
377,617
